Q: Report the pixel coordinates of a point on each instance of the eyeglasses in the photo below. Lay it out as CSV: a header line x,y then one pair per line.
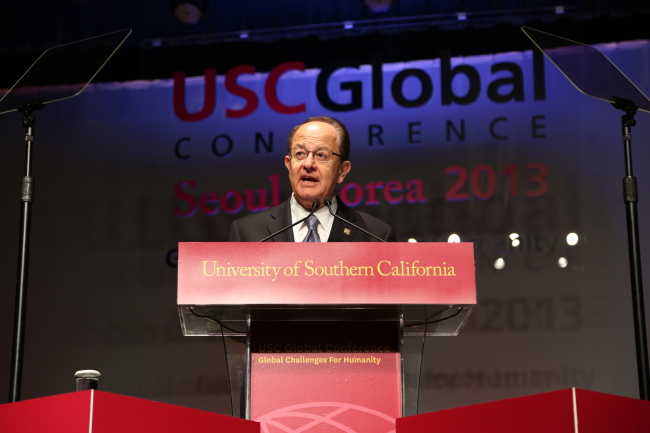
x,y
321,155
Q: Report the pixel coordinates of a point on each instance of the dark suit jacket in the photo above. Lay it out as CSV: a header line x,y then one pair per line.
x,y
255,227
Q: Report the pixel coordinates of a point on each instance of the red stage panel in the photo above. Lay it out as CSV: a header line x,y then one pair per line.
x,y
567,411
69,413
103,412
598,412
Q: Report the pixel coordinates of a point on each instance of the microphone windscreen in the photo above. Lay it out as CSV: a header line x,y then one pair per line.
x,y
315,204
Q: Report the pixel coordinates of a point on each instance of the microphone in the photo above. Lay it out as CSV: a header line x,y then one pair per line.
x,y
314,206
328,203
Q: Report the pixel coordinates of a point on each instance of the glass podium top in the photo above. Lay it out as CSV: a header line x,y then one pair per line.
x,y
588,69
74,64
216,320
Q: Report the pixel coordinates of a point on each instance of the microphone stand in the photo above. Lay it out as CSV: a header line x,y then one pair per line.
x,y
26,198
314,205
591,72
631,197
328,203
89,56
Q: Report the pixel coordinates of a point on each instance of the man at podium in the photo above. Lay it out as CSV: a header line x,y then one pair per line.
x,y
317,160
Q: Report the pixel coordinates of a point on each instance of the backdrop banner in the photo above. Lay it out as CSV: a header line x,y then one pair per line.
x,y
499,150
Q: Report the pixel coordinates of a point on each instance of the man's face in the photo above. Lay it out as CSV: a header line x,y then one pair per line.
x,y
311,179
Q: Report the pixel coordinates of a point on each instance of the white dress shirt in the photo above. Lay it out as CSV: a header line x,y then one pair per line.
x,y
325,220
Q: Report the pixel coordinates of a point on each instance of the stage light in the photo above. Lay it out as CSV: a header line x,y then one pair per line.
x,y
562,262
559,10
243,34
453,238
189,13
348,25
379,6
413,240
499,263
514,239
572,239
462,16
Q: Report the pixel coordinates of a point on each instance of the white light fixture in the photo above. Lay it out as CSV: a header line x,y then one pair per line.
x,y
499,263
453,238
514,239
378,6
562,262
572,239
188,12
413,240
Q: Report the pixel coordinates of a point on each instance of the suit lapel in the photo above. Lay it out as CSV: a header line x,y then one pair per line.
x,y
281,217
342,232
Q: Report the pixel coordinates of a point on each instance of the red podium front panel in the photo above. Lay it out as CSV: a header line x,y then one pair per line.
x,y
289,273
566,411
329,392
103,412
325,377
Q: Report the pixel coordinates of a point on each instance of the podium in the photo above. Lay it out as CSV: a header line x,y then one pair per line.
x,y
327,333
